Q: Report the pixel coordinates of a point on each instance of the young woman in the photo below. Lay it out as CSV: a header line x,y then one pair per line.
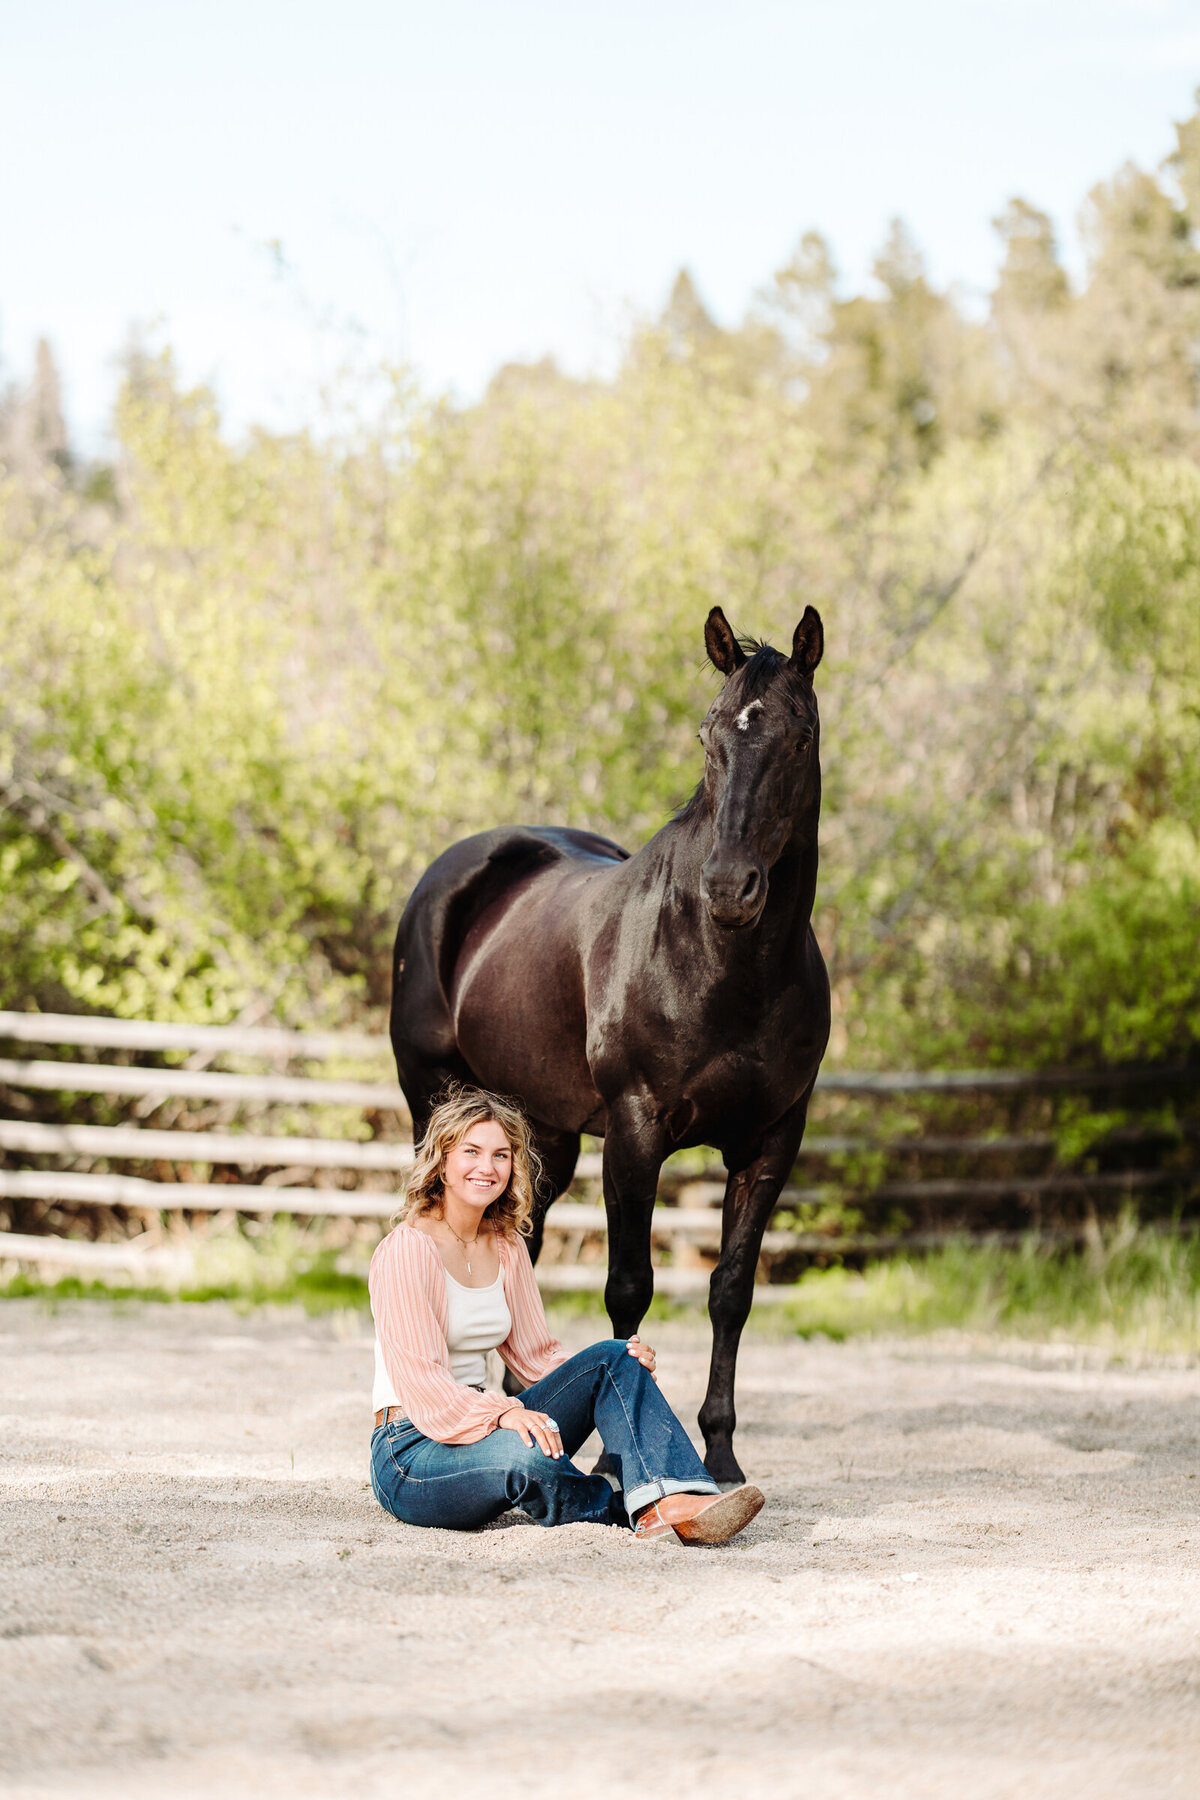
x,y
452,1281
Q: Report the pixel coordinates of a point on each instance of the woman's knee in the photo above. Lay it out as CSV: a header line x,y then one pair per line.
x,y
527,1458
530,1467
619,1359
604,1355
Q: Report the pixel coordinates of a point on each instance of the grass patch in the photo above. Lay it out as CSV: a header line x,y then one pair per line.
x,y
1128,1288
280,1266
318,1290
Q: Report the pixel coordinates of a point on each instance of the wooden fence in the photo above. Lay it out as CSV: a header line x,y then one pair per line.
x,y
273,1169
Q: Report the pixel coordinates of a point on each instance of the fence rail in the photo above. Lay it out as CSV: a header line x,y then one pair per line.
x,y
289,1158
564,1215
141,1257
216,1040
200,1084
191,1196
134,1143
321,1046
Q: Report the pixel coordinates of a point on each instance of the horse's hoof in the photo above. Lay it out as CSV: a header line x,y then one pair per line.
x,y
604,1465
724,1468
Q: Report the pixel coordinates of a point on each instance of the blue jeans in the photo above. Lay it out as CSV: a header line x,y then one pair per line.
x,y
604,1389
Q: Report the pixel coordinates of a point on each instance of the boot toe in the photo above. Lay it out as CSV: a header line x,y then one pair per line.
x,y
720,1518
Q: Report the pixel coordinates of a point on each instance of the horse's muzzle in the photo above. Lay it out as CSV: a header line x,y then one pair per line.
x,y
734,892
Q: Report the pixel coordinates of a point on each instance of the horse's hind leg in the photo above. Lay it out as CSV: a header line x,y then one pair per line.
x,y
750,1196
558,1152
422,1033
634,1147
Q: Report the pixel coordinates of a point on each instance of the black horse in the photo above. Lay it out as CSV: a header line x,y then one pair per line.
x,y
672,998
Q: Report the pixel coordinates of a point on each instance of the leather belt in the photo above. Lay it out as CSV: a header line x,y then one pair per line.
x,y
387,1413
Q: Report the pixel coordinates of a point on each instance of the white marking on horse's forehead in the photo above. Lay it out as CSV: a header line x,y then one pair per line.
x,y
748,712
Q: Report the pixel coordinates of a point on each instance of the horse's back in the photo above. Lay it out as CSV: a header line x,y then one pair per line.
x,y
461,896
462,882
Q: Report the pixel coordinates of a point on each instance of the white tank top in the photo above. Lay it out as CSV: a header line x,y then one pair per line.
x,y
478,1321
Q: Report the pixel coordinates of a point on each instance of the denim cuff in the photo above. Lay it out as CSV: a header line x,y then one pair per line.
x,y
648,1491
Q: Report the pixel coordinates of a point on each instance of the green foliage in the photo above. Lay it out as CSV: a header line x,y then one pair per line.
x,y
1078,1128
830,1217
249,690
1130,1289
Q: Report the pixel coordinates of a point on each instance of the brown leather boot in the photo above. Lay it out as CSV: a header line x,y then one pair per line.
x,y
700,1518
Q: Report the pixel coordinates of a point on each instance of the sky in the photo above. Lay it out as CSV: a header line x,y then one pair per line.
x,y
270,185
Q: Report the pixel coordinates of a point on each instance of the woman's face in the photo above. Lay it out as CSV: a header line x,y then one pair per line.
x,y
478,1167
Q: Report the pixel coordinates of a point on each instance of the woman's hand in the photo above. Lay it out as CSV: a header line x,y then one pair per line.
x,y
644,1354
533,1428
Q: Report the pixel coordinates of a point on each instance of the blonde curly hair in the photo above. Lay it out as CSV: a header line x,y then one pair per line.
x,y
449,1123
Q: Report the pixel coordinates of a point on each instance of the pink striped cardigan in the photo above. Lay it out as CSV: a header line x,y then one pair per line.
x,y
408,1301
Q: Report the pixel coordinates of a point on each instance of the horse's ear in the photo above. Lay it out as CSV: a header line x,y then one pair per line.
x,y
724,651
808,641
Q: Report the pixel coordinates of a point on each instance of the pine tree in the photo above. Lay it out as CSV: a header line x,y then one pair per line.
x,y
1031,277
33,431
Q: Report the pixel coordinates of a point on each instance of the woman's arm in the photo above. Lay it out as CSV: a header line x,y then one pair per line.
x,y
408,1302
528,1350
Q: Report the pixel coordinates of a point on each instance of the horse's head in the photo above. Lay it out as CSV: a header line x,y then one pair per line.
x,y
762,772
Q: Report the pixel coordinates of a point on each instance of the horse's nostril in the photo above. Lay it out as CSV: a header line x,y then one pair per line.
x,y
732,901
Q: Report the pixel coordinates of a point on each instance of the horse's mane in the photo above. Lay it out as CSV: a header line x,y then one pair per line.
x,y
690,808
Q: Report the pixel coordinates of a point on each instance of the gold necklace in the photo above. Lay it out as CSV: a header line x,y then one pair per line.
x,y
462,1241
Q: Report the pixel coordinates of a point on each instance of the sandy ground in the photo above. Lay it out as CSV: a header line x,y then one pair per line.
x,y
977,1574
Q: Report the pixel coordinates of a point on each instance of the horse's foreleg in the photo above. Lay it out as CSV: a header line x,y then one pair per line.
x,y
634,1147
750,1196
